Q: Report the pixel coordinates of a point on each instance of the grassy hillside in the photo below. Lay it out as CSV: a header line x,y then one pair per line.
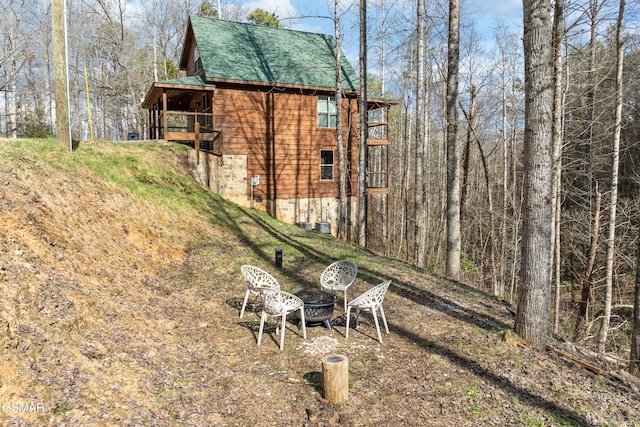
x,y
121,292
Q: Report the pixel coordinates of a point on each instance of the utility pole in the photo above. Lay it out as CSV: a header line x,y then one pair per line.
x,y
60,75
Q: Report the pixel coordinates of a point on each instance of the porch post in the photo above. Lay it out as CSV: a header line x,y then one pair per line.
x,y
150,123
388,138
164,113
156,119
197,141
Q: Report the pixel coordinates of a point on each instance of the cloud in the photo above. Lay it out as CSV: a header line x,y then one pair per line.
x,y
282,8
288,12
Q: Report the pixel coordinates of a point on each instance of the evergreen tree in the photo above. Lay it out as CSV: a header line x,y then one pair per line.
x,y
262,17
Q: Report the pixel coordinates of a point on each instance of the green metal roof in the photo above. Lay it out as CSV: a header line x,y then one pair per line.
x,y
256,53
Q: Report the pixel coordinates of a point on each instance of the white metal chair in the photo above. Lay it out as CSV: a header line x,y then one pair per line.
x,y
279,303
340,276
370,301
256,279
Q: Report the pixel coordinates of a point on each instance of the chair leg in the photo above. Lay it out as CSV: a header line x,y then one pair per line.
x,y
345,300
384,320
304,326
244,304
375,319
262,319
284,319
346,335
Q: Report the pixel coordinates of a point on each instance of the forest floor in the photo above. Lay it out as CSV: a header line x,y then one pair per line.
x,y
121,292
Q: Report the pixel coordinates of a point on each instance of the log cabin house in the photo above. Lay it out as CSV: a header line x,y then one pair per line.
x,y
258,107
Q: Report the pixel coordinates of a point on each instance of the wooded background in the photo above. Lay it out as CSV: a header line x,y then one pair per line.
x,y
596,197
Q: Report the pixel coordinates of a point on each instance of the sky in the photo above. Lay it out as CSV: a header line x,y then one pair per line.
x,y
483,12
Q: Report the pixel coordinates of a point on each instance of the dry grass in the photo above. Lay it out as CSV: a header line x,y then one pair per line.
x,y
121,294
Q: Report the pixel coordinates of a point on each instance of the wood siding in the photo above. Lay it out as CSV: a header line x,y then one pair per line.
x,y
278,132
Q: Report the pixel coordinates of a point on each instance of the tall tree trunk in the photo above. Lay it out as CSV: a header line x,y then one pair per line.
x,y
604,329
155,43
45,45
466,153
453,154
364,119
502,279
591,107
385,198
558,110
505,175
342,165
402,202
13,104
532,316
585,299
471,137
407,169
421,211
12,35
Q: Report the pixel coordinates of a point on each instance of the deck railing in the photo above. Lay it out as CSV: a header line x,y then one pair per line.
x,y
192,128
378,153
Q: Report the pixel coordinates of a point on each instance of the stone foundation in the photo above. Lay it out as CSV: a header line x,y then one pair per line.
x,y
227,176
308,210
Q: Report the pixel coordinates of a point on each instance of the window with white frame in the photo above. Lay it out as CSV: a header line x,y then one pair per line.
x,y
326,112
326,165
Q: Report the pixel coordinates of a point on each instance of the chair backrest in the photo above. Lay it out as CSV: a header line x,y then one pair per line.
x,y
277,302
341,273
374,296
257,278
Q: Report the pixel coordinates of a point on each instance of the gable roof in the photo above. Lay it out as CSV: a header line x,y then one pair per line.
x,y
249,53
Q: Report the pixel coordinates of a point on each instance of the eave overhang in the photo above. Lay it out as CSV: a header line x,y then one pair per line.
x,y
175,89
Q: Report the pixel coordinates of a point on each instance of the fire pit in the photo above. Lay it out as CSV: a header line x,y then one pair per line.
x,y
318,306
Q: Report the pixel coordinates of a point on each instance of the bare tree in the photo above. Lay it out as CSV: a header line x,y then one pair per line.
x,y
342,167
584,197
584,305
453,148
14,54
615,159
36,85
420,196
532,315
558,112
508,67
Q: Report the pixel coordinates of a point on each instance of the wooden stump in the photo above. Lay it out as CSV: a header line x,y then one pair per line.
x,y
335,378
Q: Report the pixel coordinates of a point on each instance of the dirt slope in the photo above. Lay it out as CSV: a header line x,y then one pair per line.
x,y
120,308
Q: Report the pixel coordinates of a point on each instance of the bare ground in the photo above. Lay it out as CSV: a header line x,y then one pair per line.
x,y
118,310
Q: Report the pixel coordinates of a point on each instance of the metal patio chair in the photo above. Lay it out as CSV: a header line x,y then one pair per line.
x,y
340,276
278,303
370,301
256,280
